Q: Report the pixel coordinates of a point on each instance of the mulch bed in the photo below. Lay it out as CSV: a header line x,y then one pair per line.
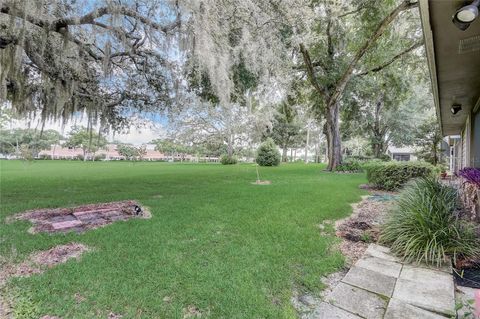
x,y
81,218
467,277
467,272
363,226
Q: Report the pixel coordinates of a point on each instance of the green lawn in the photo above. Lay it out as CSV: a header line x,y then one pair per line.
x,y
215,241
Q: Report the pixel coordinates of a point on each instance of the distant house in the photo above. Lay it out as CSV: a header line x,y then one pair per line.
x,y
453,53
110,153
401,153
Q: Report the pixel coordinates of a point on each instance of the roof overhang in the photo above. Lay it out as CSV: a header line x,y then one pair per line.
x,y
454,61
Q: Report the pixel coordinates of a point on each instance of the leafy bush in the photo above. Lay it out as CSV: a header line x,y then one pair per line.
x,y
361,158
385,158
424,227
350,165
228,160
394,175
99,157
268,154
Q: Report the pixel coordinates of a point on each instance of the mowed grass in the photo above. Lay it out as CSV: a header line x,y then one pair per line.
x,y
215,241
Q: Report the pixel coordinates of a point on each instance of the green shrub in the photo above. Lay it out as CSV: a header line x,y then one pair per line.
x,y
385,158
361,158
228,160
440,168
268,154
394,175
349,165
423,225
99,157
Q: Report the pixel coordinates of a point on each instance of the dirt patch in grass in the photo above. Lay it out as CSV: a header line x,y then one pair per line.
x,y
37,262
81,218
363,226
259,182
59,254
191,312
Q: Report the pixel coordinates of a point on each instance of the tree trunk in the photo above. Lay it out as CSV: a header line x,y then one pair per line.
x,y
284,153
230,145
332,131
306,145
377,149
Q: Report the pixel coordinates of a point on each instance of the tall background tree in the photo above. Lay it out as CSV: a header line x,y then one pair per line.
x,y
87,140
286,130
384,109
357,42
27,140
109,59
428,138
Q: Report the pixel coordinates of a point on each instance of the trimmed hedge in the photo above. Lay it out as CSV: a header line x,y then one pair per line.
x,y
394,175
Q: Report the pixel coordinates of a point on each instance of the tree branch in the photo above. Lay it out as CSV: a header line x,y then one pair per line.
x,y
310,70
396,57
89,18
352,12
381,27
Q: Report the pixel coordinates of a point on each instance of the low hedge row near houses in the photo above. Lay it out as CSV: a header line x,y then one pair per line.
x,y
394,175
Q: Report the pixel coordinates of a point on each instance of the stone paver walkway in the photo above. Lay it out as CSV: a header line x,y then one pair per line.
x,y
379,286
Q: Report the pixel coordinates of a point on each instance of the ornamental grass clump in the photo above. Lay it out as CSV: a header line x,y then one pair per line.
x,y
423,226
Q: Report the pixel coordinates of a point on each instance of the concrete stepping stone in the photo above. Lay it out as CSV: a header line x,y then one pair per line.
x,y
426,288
382,266
400,310
328,311
380,286
358,301
370,280
427,276
381,252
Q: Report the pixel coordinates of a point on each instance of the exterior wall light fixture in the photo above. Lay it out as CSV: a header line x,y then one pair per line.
x,y
466,15
455,108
